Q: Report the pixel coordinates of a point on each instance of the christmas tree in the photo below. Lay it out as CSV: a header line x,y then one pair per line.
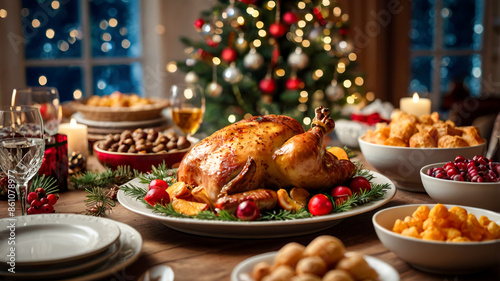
x,y
260,57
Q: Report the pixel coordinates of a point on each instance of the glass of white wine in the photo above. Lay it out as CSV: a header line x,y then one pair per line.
x,y
188,107
22,146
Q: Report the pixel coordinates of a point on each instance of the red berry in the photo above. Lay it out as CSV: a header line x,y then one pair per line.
x,y
36,203
248,211
157,196
157,183
320,205
31,196
341,193
40,191
47,208
52,199
44,201
32,211
459,159
359,184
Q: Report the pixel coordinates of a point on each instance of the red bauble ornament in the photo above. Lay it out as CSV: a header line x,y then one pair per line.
x,y
212,44
202,53
290,18
198,24
294,83
267,85
229,54
278,29
248,1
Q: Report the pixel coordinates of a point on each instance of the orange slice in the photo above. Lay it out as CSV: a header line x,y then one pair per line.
x,y
189,208
339,152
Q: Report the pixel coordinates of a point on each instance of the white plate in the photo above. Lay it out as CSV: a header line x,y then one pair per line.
x,y
254,229
118,124
243,271
59,271
56,238
131,246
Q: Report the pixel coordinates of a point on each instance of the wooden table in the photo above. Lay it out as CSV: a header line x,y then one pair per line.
x,y
203,258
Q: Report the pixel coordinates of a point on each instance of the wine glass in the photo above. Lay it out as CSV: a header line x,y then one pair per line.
x,y
22,146
46,99
188,107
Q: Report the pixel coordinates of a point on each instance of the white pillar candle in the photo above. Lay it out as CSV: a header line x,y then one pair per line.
x,y
415,105
77,137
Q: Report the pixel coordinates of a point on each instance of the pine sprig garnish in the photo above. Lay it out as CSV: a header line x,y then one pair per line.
x,y
48,183
104,179
375,193
98,203
169,211
283,214
134,191
162,172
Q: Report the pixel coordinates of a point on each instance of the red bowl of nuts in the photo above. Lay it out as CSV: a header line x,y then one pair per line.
x,y
142,149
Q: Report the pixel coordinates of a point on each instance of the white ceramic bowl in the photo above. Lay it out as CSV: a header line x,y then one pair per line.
x,y
403,164
476,194
436,256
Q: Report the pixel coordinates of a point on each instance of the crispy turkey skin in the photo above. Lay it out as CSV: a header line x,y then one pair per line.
x,y
263,152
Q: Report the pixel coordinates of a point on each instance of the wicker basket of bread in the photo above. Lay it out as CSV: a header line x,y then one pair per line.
x,y
120,107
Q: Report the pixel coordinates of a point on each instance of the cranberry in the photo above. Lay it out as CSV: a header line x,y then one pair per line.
x,y
248,211
459,159
44,200
47,208
36,203
40,191
31,196
52,199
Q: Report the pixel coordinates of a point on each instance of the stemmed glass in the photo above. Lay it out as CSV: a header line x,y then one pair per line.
x,y
46,99
22,146
188,107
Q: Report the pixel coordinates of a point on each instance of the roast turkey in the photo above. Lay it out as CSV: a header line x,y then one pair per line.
x,y
252,158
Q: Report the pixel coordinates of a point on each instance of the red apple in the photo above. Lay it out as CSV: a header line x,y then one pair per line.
x,y
340,194
157,183
320,205
359,184
157,196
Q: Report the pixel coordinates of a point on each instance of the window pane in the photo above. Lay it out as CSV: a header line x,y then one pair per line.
x,y
461,69
115,28
462,24
422,24
52,29
421,75
123,78
67,80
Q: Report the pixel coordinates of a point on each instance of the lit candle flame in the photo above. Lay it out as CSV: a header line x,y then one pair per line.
x,y
415,97
72,123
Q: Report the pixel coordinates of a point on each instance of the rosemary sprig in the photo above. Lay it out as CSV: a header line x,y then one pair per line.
x,y
134,191
48,183
162,172
286,215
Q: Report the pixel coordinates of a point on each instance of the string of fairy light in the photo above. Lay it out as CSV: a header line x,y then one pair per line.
x,y
298,35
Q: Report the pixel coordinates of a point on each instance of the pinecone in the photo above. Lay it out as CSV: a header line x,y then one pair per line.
x,y
76,163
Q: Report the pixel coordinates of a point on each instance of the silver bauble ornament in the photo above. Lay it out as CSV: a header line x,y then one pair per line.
x,y
232,74
190,62
214,89
297,59
230,12
253,60
334,91
315,33
344,46
191,77
207,29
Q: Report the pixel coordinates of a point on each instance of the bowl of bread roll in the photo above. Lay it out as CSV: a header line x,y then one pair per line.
x,y
399,149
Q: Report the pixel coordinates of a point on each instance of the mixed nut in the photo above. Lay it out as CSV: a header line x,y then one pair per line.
x,y
144,141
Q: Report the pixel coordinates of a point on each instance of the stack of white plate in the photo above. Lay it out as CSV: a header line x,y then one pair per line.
x,y
69,246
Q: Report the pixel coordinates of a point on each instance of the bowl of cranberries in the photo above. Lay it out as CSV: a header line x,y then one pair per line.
x,y
465,181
